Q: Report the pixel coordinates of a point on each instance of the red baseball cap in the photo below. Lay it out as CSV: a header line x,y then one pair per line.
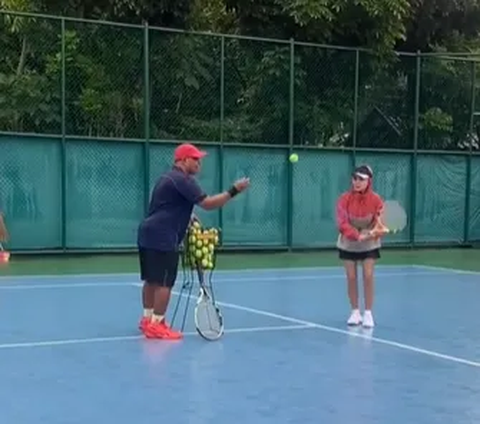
x,y
187,150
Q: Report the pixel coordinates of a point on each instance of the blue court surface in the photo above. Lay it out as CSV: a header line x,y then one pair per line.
x,y
70,352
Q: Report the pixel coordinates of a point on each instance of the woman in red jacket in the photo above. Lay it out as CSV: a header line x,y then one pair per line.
x,y
357,213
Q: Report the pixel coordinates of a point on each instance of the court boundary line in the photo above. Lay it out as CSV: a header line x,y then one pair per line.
x,y
218,271
447,270
217,280
350,333
243,271
89,340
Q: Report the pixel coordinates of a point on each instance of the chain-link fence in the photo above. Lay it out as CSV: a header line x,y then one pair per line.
x,y
30,74
90,113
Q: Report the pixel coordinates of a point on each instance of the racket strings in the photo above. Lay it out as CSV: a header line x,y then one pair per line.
x,y
208,321
394,216
207,311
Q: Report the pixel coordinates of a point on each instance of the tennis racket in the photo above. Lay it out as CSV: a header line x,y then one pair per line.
x,y
392,219
208,318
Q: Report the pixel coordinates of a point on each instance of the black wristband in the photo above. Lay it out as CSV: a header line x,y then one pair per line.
x,y
233,191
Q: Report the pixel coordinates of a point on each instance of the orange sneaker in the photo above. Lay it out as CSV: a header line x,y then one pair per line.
x,y
144,323
170,333
160,330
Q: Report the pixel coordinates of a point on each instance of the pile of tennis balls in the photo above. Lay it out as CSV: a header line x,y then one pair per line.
x,y
200,246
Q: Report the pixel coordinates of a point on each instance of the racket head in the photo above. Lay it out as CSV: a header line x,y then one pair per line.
x,y
393,217
208,318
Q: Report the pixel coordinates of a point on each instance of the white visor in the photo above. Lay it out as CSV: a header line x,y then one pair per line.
x,y
362,176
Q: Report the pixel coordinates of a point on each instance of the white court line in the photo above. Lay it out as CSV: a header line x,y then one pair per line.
x,y
403,346
292,270
51,343
216,280
65,286
446,270
299,324
218,271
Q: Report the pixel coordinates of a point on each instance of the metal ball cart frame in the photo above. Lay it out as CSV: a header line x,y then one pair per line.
x,y
193,269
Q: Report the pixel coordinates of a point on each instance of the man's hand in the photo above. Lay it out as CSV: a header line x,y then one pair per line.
x,y
219,200
242,184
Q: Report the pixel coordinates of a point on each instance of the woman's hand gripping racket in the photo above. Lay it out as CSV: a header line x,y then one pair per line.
x,y
208,318
392,219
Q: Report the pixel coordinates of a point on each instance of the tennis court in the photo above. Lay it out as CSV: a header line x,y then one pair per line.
x,y
71,352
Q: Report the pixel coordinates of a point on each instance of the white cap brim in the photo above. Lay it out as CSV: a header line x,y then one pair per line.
x,y
362,176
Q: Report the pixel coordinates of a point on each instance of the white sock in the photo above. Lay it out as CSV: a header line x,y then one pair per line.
x,y
147,313
157,318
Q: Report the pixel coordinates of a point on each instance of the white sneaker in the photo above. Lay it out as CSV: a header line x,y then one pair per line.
x,y
368,319
355,318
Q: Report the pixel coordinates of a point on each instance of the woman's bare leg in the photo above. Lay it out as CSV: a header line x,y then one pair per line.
x,y
352,289
368,288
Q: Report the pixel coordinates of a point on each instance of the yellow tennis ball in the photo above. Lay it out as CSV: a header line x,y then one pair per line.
x,y
293,158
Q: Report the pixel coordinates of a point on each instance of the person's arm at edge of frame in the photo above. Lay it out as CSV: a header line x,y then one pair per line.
x,y
3,229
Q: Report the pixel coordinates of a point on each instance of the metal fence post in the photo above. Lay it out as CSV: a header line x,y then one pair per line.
x,y
413,187
146,116
355,105
222,118
291,118
468,178
63,154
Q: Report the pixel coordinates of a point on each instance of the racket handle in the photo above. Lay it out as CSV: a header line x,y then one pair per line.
x,y
199,272
379,232
388,231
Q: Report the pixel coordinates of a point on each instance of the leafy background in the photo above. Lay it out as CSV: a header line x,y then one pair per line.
x,y
105,71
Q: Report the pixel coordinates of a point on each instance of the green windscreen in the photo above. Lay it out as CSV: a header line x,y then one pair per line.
x,y
474,212
30,191
105,187
318,179
260,217
104,193
440,200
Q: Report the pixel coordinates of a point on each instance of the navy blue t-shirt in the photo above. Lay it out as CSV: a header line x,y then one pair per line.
x,y
173,198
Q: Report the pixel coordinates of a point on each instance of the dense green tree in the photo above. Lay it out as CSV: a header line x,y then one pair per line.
x,y
105,74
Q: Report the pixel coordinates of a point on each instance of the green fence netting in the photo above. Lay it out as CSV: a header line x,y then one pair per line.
x,y
105,193
90,113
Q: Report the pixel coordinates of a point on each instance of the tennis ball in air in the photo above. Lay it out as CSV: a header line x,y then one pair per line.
x,y
293,158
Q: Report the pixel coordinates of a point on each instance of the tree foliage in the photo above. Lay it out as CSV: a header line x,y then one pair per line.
x,y
105,82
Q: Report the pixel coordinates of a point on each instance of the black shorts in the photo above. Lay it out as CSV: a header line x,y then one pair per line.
x,y
158,267
358,256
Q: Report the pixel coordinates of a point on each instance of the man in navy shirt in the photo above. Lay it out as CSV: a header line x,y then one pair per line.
x,y
162,231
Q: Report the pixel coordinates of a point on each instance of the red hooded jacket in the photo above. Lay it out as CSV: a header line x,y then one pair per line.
x,y
357,207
